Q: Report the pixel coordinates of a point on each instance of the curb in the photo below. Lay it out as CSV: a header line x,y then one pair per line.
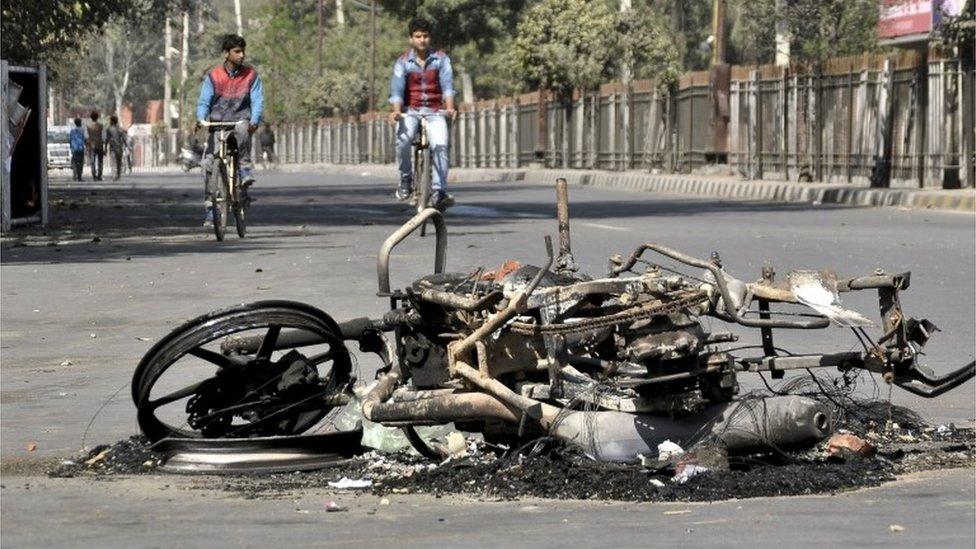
x,y
960,200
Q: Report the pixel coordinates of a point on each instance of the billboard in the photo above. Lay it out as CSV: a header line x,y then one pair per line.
x,y
901,19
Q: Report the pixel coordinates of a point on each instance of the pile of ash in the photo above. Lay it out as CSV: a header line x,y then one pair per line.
x,y
548,469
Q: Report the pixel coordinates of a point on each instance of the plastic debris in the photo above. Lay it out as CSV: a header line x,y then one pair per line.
x,y
667,450
843,444
943,430
687,472
896,528
333,507
456,444
384,501
346,483
657,483
98,457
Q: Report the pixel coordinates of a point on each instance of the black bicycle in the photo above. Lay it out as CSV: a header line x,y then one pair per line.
x,y
422,165
228,194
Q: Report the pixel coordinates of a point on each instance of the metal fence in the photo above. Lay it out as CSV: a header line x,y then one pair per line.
x,y
900,120
895,120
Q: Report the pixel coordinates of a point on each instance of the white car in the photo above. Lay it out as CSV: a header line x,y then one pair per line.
x,y
58,147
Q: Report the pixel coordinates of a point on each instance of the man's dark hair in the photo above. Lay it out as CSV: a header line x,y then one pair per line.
x,y
418,24
94,116
112,120
231,41
77,122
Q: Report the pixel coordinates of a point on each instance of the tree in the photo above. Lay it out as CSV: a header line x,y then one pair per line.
x,y
818,29
42,30
563,45
644,42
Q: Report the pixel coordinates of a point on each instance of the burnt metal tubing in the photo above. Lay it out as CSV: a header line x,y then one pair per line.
x,y
440,246
722,288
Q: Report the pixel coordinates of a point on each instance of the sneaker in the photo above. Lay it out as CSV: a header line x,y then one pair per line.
x,y
208,219
442,201
403,191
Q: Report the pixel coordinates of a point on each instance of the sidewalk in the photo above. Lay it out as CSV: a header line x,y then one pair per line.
x,y
961,200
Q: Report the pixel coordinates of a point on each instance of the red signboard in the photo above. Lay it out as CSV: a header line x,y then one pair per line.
x,y
905,17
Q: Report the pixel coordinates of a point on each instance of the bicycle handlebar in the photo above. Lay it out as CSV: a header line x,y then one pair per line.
x,y
208,123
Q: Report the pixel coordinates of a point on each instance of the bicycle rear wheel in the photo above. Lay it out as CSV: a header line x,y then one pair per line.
x,y
221,199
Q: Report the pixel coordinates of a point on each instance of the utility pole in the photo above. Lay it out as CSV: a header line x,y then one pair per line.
x,y
320,15
167,92
184,53
372,55
237,14
718,32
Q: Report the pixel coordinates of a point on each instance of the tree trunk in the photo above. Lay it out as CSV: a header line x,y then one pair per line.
x,y
237,15
467,88
340,16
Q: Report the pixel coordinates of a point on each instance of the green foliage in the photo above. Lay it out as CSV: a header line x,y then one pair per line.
x,y
818,29
283,47
335,93
564,45
460,22
753,36
42,30
644,43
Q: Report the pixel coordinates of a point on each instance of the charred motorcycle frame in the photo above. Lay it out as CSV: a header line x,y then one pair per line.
x,y
614,365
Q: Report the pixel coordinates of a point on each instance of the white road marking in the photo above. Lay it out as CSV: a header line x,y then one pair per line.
x,y
607,227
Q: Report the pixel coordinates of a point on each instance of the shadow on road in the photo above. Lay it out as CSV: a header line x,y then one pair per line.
x,y
161,214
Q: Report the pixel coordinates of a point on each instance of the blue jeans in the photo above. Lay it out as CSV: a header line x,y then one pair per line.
x,y
437,139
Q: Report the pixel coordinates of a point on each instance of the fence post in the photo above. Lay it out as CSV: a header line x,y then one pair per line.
x,y
552,111
881,172
482,133
818,123
493,134
579,121
625,141
514,133
594,139
784,127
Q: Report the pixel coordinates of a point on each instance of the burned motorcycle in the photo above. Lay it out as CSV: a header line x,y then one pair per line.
x,y
614,365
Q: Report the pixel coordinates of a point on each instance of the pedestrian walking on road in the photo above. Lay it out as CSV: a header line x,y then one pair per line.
x,y
96,146
76,140
115,142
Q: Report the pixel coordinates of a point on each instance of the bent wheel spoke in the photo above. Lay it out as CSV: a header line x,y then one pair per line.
x,y
268,343
214,357
175,395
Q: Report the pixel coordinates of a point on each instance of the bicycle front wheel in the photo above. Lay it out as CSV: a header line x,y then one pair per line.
x,y
221,202
422,179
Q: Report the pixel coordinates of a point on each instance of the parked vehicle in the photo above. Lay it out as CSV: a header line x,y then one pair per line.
x,y
58,147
